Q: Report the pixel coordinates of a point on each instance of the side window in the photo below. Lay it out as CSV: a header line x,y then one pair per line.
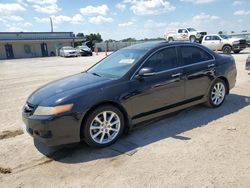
x,y
216,38
208,38
191,54
179,30
163,60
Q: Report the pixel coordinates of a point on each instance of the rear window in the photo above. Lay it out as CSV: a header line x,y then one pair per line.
x,y
191,55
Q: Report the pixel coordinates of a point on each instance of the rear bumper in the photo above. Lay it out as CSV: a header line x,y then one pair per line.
x,y
53,131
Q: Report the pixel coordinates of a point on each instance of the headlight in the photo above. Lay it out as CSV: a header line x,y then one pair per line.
x,y
45,110
236,42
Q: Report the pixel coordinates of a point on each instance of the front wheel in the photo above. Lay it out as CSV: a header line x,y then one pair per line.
x,y
192,39
227,49
217,94
103,126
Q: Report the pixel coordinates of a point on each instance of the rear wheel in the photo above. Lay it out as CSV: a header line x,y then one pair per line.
x,y
103,126
170,39
217,94
227,49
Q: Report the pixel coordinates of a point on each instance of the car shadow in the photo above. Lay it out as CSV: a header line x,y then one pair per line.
x,y
151,132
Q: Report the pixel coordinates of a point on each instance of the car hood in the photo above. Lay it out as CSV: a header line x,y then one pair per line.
x,y
80,81
233,39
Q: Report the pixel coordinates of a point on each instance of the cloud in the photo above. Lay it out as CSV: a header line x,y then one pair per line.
x,y
242,13
126,24
100,20
43,6
235,3
102,10
150,24
17,27
198,1
150,7
57,20
6,8
120,6
47,9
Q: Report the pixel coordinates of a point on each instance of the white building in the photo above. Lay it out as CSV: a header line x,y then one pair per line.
x,y
34,44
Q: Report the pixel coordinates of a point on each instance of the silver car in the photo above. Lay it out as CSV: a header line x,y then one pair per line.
x,y
68,51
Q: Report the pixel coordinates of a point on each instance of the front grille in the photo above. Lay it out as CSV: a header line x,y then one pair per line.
x,y
28,109
203,33
71,52
243,41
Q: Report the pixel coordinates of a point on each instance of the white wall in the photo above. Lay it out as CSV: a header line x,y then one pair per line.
x,y
19,52
2,52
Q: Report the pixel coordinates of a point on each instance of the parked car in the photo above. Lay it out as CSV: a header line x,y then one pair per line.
x,y
130,86
224,43
83,51
248,63
190,34
68,51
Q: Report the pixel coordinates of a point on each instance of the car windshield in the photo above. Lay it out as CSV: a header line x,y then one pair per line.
x,y
118,63
224,36
191,29
68,48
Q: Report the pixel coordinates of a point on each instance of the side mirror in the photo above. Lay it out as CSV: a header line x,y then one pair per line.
x,y
146,72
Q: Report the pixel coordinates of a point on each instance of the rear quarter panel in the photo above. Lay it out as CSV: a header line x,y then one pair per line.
x,y
226,68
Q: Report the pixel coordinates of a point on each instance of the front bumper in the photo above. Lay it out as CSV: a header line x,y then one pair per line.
x,y
53,131
84,53
239,47
71,54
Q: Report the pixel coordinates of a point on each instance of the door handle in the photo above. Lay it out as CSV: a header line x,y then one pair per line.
x,y
177,74
211,65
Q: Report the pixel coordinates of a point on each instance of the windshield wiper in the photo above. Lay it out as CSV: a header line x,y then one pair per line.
x,y
94,73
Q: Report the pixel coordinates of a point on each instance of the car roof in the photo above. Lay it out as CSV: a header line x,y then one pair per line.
x,y
157,44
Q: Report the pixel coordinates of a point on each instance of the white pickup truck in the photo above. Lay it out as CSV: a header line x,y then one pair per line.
x,y
184,34
224,43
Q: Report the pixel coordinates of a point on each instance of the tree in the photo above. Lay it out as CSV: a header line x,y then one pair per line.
x,y
92,37
80,35
129,40
220,32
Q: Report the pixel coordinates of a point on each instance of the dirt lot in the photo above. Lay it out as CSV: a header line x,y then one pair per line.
x,y
198,147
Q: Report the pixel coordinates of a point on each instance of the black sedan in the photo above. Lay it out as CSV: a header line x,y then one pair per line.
x,y
83,51
128,87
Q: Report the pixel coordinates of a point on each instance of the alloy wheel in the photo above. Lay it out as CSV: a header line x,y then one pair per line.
x,y
105,127
218,93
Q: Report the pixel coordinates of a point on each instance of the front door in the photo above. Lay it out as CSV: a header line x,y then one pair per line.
x,y
9,51
198,70
156,93
44,49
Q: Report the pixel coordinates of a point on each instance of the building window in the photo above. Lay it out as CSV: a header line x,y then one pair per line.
x,y
27,49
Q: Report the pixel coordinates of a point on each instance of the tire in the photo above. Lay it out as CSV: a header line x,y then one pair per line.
x,y
100,133
192,38
170,39
215,93
236,51
227,49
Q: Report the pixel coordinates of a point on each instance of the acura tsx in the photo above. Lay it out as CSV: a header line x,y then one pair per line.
x,y
130,86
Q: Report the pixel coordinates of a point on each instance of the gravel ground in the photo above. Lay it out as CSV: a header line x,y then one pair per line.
x,y
198,147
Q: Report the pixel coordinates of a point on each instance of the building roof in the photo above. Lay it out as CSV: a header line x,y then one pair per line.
x,y
21,36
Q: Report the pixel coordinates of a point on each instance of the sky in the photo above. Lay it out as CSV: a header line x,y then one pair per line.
x,y
126,18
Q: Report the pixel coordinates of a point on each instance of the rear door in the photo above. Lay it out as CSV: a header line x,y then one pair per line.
x,y
182,34
198,70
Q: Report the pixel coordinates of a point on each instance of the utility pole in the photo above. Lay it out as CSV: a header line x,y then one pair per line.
x,y
51,24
